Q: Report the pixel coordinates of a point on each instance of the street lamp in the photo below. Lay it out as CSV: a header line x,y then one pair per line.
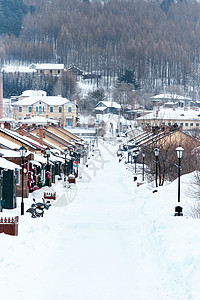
x,y
134,158
129,155
143,156
156,152
23,151
47,150
179,152
65,173
135,155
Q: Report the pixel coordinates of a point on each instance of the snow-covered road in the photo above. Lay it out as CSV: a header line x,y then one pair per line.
x,y
109,243
108,253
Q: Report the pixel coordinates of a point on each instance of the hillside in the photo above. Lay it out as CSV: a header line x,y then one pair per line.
x,y
160,45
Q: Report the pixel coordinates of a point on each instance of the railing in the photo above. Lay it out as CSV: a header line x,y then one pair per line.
x,y
9,225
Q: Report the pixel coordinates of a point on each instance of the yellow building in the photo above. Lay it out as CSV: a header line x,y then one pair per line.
x,y
50,69
50,107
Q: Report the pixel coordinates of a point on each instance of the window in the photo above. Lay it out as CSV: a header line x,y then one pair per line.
x,y
69,109
191,124
186,124
181,124
169,124
60,109
20,108
197,124
17,176
163,123
58,71
43,109
69,122
30,109
51,109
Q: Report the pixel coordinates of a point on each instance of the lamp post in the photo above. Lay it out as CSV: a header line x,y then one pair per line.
x,y
65,173
22,155
156,152
129,154
48,166
143,156
135,155
179,152
134,158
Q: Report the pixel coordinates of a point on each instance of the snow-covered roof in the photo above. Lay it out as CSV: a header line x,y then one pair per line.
x,y
169,113
37,120
5,143
31,93
109,104
22,139
170,97
101,108
49,100
17,68
50,67
40,158
6,164
12,153
6,119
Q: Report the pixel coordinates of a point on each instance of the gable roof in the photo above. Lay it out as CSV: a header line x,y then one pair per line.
x,y
170,96
108,104
49,100
31,93
21,139
171,114
50,67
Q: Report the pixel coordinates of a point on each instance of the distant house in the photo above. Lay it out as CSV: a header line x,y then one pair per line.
x,y
75,70
32,93
32,66
171,100
106,107
187,119
50,107
50,69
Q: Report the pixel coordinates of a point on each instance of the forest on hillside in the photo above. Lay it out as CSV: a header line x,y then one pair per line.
x,y
158,41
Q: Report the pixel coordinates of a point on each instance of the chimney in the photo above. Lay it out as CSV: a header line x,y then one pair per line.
x,y
133,100
41,135
7,125
28,131
1,95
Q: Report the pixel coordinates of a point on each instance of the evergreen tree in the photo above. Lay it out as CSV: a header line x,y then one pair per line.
x,y
11,16
129,78
165,5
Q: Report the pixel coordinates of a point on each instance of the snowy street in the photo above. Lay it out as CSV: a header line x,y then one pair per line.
x,y
113,241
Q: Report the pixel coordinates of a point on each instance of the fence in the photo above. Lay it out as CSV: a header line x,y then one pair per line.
x,y
50,195
9,225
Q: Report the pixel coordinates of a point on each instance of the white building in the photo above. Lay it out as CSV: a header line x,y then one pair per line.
x,y
188,119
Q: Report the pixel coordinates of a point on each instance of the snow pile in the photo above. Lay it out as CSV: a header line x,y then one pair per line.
x,y
105,239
